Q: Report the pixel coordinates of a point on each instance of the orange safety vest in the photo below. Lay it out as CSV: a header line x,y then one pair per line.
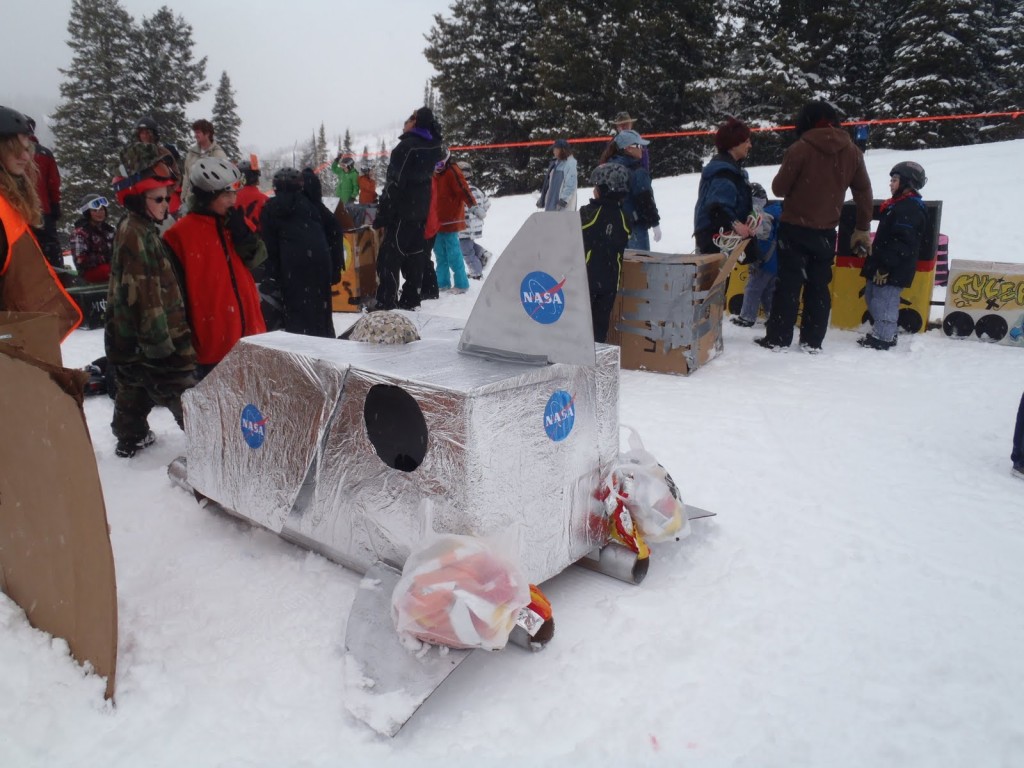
x,y
27,281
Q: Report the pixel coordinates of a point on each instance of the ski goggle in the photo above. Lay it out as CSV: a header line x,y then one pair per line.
x,y
94,205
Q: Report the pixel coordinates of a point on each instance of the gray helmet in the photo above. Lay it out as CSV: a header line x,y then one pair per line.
x,y
466,168
288,178
911,174
611,176
12,122
92,203
214,174
758,192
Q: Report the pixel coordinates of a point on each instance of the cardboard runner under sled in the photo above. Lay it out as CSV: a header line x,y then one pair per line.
x,y
56,560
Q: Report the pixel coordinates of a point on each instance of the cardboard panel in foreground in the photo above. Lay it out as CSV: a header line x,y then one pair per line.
x,y
55,556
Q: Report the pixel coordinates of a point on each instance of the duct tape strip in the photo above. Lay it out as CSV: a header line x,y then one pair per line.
x,y
665,306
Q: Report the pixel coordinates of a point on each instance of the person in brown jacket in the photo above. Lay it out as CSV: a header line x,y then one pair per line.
x,y
813,178
27,281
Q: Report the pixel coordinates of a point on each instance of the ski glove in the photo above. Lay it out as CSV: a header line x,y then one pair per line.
x,y
239,229
860,242
880,278
657,233
562,205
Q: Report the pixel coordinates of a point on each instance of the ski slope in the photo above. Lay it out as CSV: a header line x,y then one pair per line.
x,y
856,601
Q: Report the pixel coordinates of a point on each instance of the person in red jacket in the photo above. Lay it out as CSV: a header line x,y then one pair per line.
x,y
216,250
48,184
451,195
250,199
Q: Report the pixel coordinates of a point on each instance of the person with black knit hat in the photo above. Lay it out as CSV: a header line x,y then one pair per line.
x,y
815,173
403,209
724,205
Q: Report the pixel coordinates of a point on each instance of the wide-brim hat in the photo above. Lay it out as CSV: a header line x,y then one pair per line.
x,y
622,117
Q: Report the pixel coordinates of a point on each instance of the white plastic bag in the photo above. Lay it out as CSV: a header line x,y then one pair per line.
x,y
650,494
459,591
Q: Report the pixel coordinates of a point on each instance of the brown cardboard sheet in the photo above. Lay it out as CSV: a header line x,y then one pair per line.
x,y
56,560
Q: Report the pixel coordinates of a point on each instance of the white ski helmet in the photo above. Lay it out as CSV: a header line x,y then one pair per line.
x,y
213,174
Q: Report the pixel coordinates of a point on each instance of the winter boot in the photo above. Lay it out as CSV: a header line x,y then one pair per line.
x,y
128,448
870,342
741,321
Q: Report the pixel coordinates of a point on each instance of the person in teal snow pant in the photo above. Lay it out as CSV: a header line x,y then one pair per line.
x,y
447,218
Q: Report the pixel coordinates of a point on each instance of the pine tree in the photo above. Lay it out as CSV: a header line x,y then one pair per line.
x,y
346,146
381,173
486,64
365,157
935,49
321,164
169,77
226,121
1005,59
97,110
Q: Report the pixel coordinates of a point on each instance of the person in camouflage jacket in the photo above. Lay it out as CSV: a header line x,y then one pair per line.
x,y
147,334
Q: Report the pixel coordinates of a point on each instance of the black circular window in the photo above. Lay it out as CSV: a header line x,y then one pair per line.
x,y
395,426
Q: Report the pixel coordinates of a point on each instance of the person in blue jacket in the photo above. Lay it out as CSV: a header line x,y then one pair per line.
x,y
724,204
764,269
892,262
558,192
640,208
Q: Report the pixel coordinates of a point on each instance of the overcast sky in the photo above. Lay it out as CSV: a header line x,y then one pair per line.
x,y
293,63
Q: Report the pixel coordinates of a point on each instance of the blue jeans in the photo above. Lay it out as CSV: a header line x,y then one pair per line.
x,y
450,263
884,306
471,255
639,238
758,293
1017,455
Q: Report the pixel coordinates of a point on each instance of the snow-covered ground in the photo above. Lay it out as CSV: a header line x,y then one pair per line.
x,y
856,601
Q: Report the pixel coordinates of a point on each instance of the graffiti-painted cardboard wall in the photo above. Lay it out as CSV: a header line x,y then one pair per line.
x,y
985,300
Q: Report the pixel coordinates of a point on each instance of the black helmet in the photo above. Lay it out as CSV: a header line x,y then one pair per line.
x,y
287,178
149,124
613,177
12,122
911,175
757,191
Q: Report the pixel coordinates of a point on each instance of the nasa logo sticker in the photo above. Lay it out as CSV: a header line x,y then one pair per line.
x,y
559,415
542,297
254,426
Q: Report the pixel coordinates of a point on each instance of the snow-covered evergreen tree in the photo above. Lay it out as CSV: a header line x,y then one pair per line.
x,y
346,144
322,163
1005,60
935,51
486,62
383,155
98,106
169,76
226,121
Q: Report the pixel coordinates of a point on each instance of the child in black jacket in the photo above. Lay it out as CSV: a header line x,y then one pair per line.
x,y
892,262
605,234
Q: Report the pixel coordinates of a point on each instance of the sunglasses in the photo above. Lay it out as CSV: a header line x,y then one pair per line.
x,y
635,146
95,205
159,200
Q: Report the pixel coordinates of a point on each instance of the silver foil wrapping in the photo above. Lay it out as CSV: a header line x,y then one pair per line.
x,y
283,433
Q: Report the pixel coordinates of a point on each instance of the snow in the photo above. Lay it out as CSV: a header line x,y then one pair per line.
x,y
856,601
